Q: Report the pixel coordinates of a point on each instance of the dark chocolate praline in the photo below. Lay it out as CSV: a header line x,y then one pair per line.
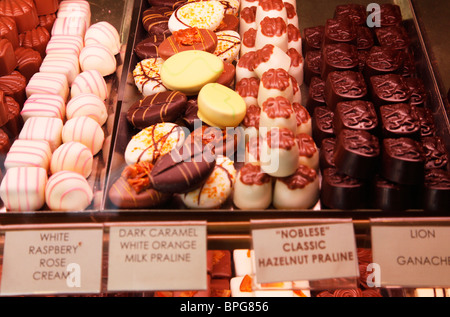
x,y
355,12
383,60
312,66
316,94
344,85
339,57
436,193
388,89
436,156
326,153
322,124
399,120
340,31
357,153
313,38
402,161
355,115
389,196
339,191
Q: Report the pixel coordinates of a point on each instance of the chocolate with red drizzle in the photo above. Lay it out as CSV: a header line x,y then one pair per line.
x,y
276,78
303,176
273,27
306,145
281,138
252,116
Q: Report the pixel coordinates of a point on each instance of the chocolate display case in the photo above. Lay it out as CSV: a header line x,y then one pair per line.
x,y
309,16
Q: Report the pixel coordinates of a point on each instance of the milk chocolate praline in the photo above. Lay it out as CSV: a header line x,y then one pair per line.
x,y
160,107
28,61
124,196
221,141
402,161
344,85
14,86
156,20
357,153
355,115
22,11
8,30
339,191
183,170
395,37
15,120
148,47
8,60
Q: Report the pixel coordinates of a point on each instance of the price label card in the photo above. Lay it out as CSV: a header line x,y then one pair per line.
x,y
412,256
312,252
53,261
157,257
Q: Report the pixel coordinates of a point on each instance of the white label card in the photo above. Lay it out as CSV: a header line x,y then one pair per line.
x,y
412,256
56,261
305,253
157,258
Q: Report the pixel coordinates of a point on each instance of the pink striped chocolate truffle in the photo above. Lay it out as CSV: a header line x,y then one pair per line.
x,y
90,81
23,188
35,153
68,191
43,128
84,130
44,105
103,33
72,156
98,57
48,83
89,105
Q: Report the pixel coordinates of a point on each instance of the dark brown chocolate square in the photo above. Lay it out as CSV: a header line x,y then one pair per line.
x,y
356,153
418,91
312,66
402,161
355,115
435,153
388,88
344,85
322,124
326,153
383,60
427,126
355,12
316,94
340,31
399,120
390,14
364,38
339,57
313,37
395,37
436,191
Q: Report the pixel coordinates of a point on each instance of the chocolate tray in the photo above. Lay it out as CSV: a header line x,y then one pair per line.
x,y
117,14
309,15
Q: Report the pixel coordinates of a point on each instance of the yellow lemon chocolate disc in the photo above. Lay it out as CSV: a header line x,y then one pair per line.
x,y
189,71
220,106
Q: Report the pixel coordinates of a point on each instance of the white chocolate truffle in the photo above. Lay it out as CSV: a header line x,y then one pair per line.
x,y
245,66
147,76
271,9
84,130
43,128
308,151
228,45
278,113
72,156
75,8
275,83
247,19
68,191
278,152
66,64
291,12
248,88
304,122
70,25
272,31
89,105
90,81
98,57
294,38
44,105
297,191
64,44
248,3
205,14
153,142
103,33
34,153
216,189
252,149
271,56
231,6
248,41
253,188
297,97
23,188
48,83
